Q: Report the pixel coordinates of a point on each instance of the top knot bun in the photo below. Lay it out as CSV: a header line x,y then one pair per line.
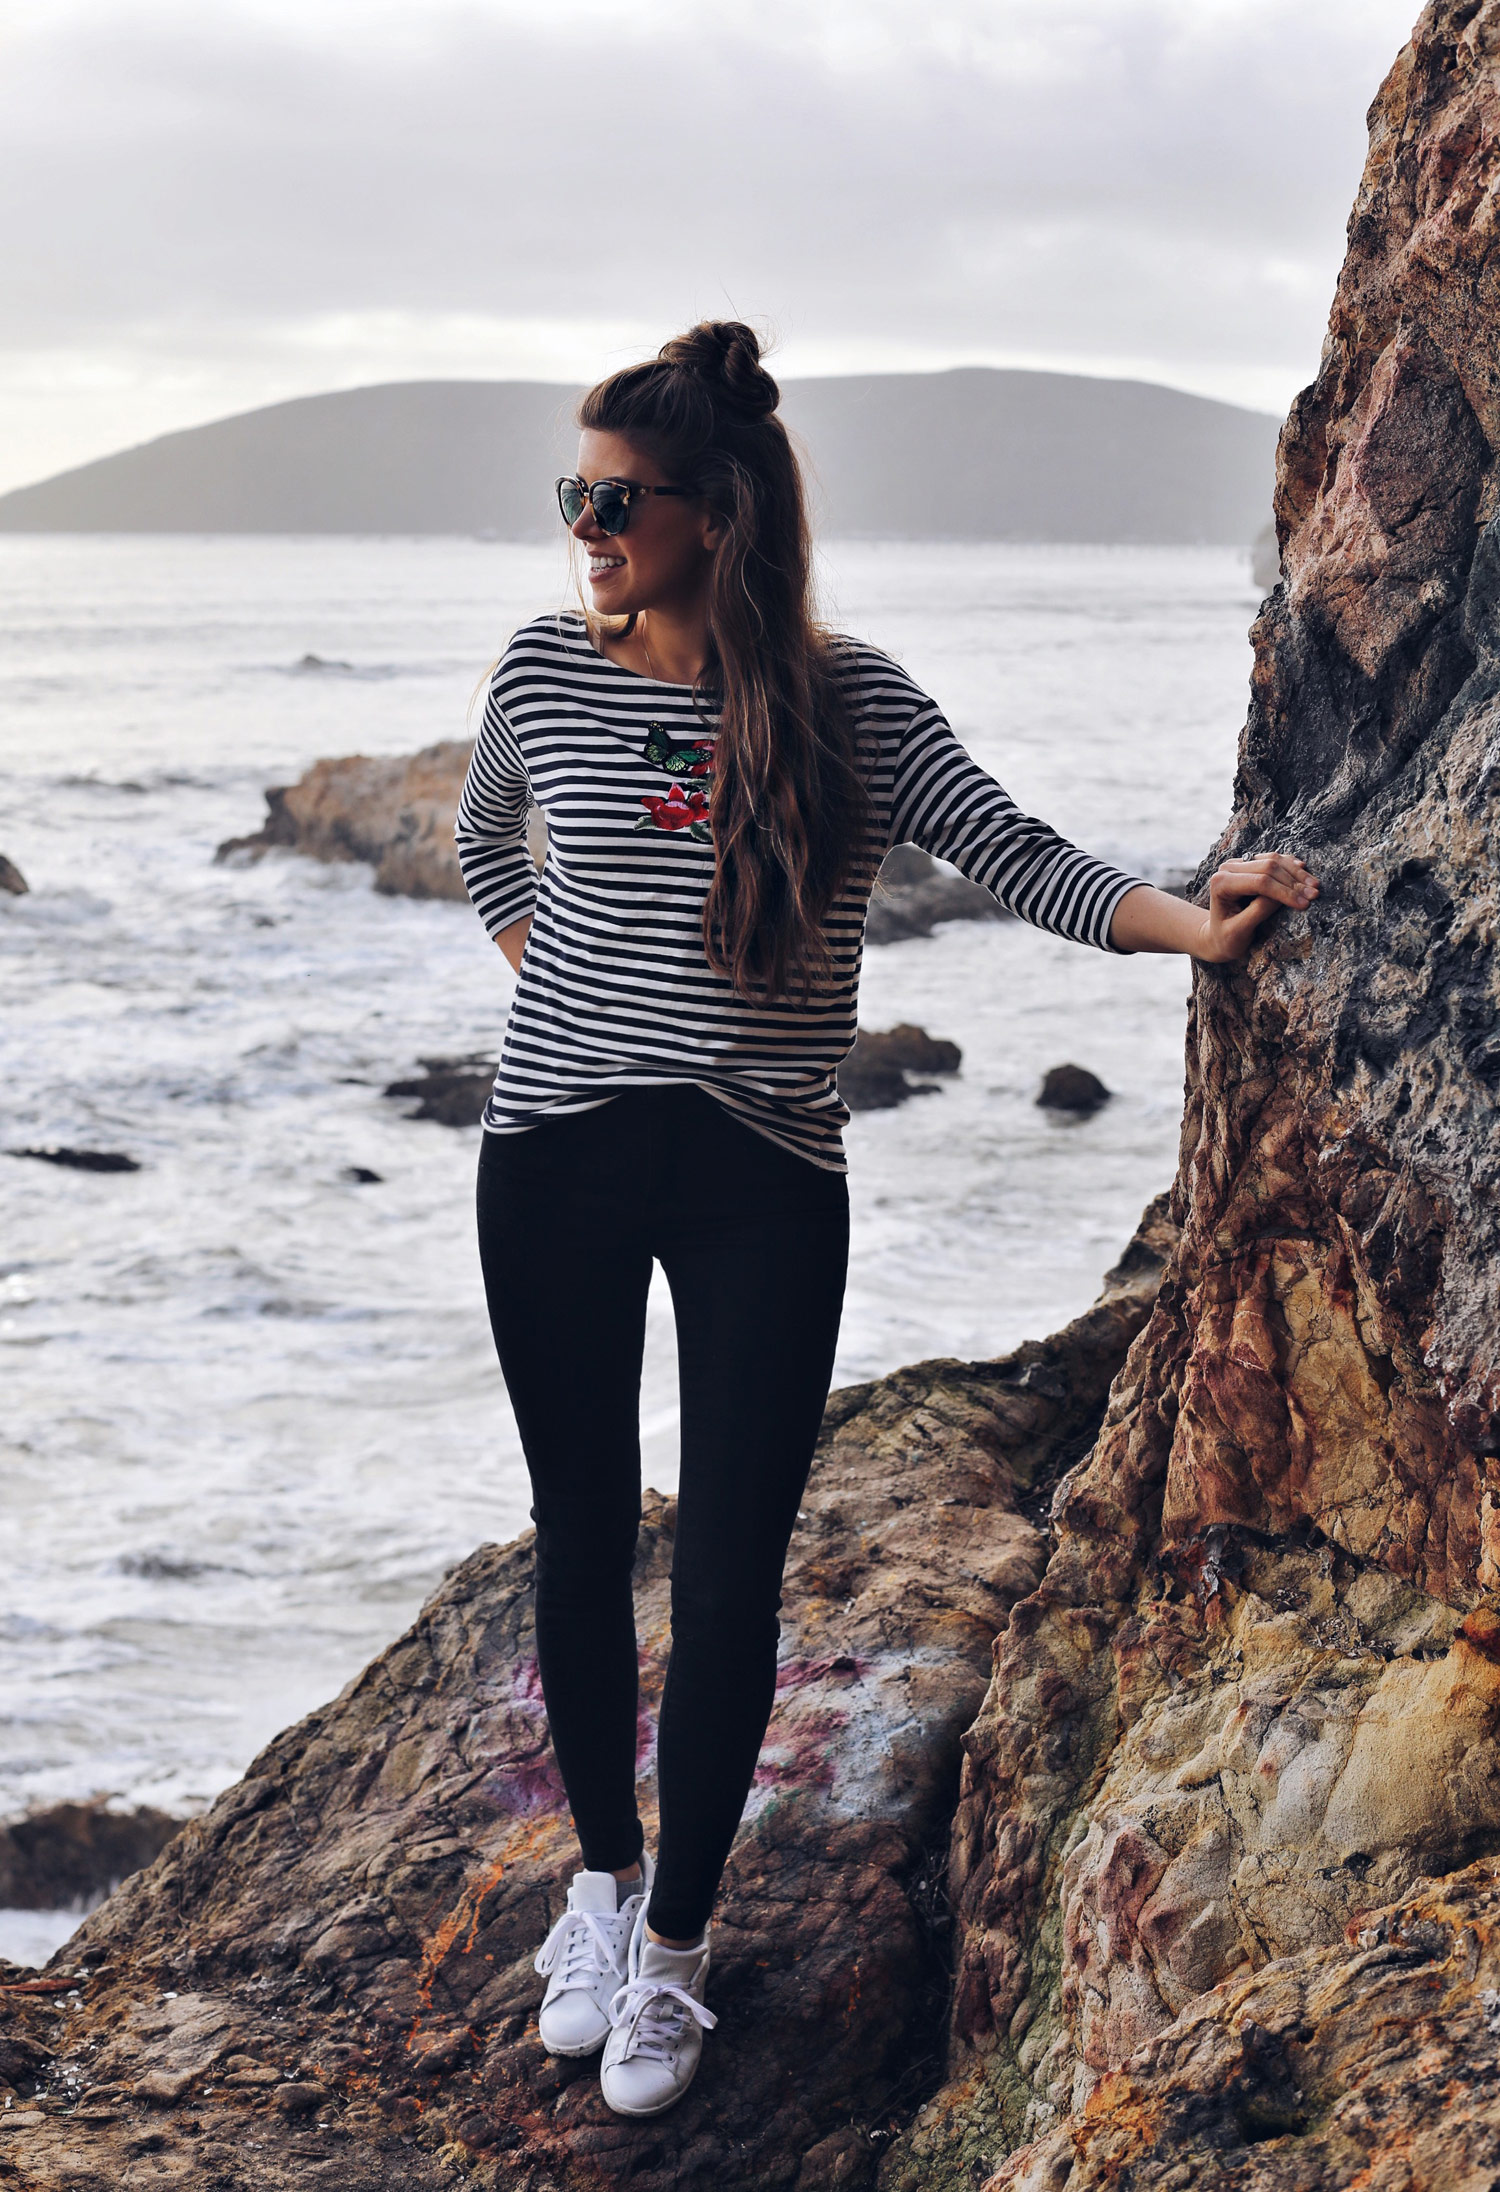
x,y
726,353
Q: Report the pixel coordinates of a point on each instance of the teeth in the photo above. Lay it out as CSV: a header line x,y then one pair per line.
x,y
606,563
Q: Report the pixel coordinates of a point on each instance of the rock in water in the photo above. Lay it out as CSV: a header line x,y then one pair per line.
x,y
911,1049
868,1087
873,1077
453,1091
904,866
396,814
335,1964
68,1855
1072,1088
1208,1866
310,665
913,894
11,878
83,1160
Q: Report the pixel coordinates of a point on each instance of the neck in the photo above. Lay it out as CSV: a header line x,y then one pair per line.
x,y
671,642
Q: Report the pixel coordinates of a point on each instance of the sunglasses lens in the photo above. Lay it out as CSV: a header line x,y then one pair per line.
x,y
571,500
611,507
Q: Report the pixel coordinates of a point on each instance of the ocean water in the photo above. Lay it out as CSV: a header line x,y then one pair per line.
x,y
250,1410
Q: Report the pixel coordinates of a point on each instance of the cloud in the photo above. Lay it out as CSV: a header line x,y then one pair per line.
x,y
275,198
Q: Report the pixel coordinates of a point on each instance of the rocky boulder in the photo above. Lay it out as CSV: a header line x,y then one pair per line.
x,y
81,1160
913,894
1072,1089
396,814
327,1979
63,1856
452,1091
1220,1860
876,1074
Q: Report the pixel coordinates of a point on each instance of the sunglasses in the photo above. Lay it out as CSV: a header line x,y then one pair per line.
x,y
609,499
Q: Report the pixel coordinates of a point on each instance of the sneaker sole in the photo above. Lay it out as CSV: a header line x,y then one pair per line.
x,y
575,2054
661,2105
659,2110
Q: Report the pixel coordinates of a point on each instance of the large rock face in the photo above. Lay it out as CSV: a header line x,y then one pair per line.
x,y
1256,1696
328,1979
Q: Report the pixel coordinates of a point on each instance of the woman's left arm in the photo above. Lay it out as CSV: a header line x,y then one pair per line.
x,y
1241,895
945,802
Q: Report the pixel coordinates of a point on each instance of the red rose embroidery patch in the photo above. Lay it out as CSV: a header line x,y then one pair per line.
x,y
680,810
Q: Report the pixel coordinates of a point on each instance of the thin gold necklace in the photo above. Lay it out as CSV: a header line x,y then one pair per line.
x,y
650,665
640,625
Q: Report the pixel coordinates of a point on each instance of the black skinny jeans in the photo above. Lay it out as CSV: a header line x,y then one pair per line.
x,y
754,1242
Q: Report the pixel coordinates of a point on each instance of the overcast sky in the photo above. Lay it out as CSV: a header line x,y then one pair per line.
x,y
208,207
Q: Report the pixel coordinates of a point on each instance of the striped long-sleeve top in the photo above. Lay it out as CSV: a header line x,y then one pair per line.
x,y
615,990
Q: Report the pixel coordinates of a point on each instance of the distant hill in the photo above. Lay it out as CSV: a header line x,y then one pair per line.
x,y
972,454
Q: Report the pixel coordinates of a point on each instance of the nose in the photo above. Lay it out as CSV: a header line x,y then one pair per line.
x,y
588,527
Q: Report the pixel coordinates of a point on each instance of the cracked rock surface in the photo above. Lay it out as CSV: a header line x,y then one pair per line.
x,y
1247,1724
328,1979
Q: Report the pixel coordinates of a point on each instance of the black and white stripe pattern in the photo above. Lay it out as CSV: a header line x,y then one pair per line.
x,y
615,990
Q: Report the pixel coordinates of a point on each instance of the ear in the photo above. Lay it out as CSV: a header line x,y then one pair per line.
x,y
712,531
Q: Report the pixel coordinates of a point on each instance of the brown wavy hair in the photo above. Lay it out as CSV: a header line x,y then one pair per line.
x,y
790,805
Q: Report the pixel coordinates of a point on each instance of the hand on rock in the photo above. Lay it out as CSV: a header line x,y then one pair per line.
x,y
1244,893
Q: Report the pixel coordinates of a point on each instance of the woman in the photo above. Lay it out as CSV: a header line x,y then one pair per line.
x,y
721,779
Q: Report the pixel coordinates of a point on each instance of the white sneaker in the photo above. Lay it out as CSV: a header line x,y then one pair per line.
x,y
659,2021
584,1959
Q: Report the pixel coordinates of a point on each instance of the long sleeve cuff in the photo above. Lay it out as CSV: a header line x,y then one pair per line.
x,y
501,879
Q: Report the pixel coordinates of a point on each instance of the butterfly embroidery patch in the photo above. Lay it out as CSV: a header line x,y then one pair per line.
x,y
678,756
682,809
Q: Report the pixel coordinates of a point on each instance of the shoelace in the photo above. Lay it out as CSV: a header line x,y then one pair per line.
x,y
657,2031
583,1945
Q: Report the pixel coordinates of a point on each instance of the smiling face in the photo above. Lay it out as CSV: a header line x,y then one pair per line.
x,y
662,559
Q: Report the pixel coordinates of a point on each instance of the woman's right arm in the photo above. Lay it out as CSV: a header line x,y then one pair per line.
x,y
490,831
512,941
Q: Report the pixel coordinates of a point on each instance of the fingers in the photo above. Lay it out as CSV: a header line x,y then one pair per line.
x,y
1275,875
1247,918
1232,933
